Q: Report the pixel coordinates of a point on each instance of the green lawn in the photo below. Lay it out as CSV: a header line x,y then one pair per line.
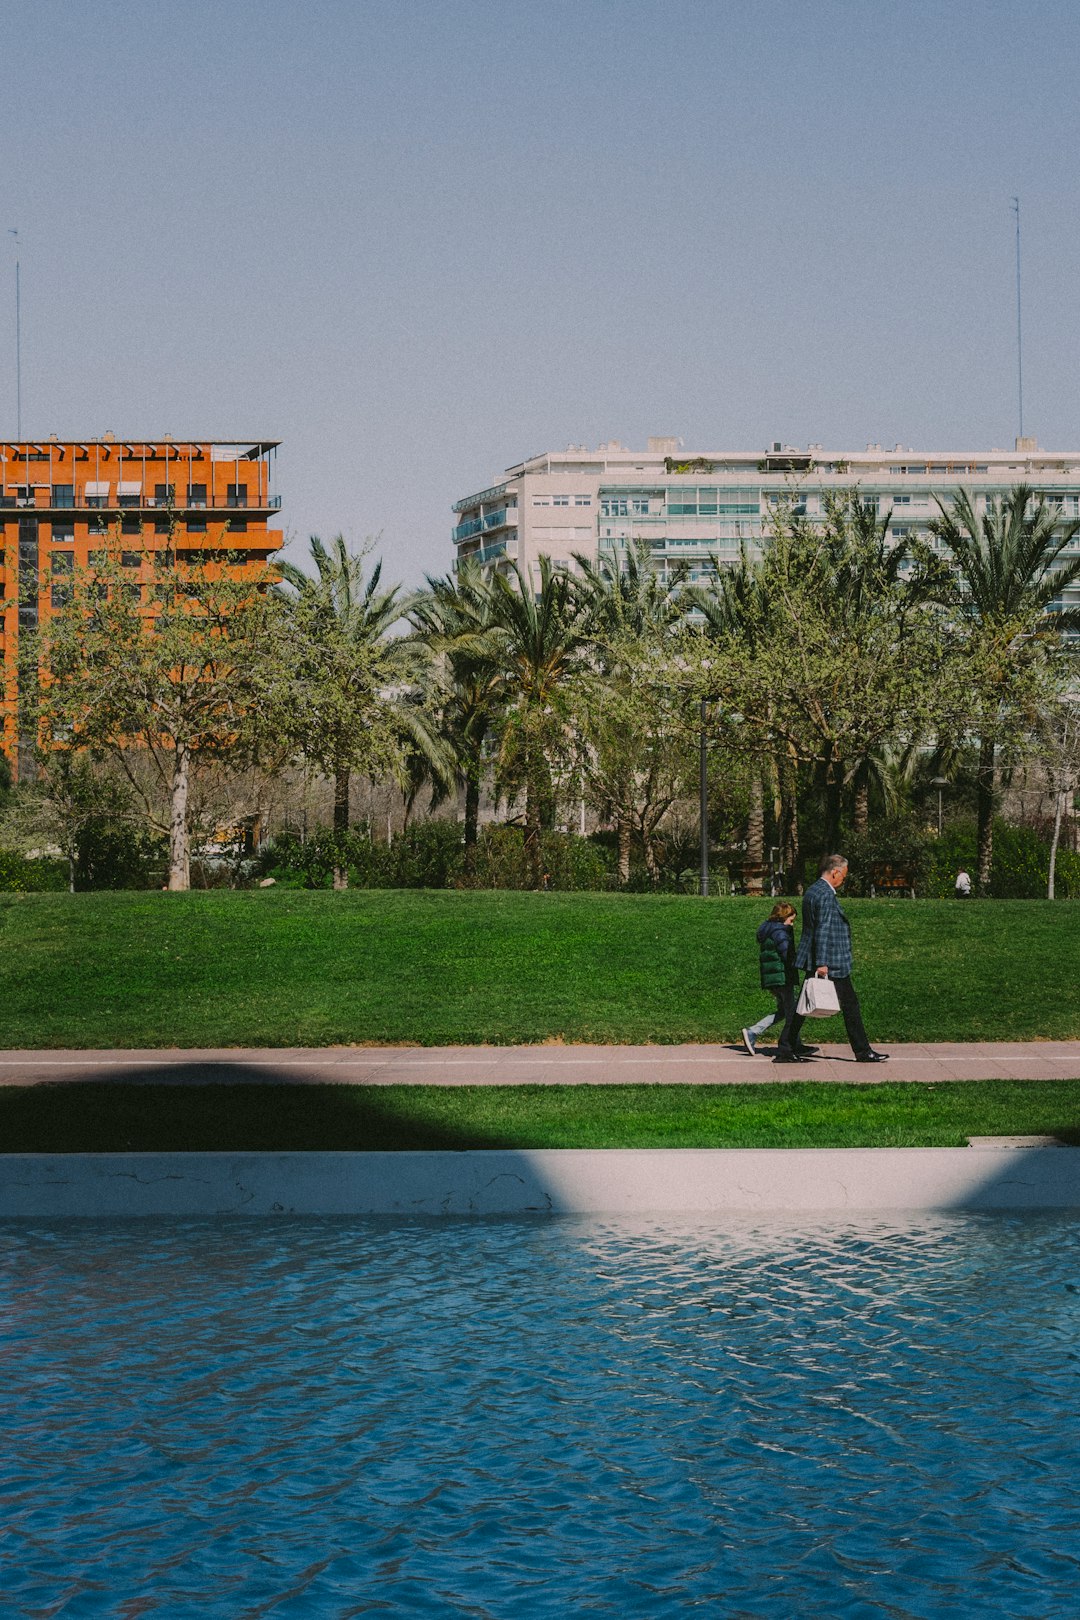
x,y
131,1118
294,968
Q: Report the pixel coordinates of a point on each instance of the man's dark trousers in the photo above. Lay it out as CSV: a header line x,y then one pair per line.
x,y
790,1037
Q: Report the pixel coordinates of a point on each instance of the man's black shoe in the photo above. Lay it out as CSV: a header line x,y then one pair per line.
x,y
873,1057
808,1051
790,1057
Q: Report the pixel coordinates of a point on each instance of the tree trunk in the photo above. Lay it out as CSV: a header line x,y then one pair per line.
x,y
651,863
472,822
1059,800
787,787
861,819
179,851
533,796
342,777
625,831
755,824
833,800
984,784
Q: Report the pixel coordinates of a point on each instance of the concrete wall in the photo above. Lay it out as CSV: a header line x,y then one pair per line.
x,y
713,1182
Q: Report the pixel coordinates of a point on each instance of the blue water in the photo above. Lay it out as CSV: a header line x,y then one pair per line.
x,y
563,1417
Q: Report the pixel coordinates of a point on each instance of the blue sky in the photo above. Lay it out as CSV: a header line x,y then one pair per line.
x,y
418,241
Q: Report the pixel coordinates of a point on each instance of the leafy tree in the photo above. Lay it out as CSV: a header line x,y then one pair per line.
x,y
839,650
169,667
1011,571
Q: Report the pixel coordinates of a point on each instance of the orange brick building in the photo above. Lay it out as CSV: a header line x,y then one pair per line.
x,y
58,500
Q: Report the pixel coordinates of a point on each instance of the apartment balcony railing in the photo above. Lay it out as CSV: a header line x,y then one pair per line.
x,y
504,518
43,501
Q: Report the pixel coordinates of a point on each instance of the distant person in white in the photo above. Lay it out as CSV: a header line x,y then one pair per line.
x,y
963,885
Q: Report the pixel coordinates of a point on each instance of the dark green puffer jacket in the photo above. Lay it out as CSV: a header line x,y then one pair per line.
x,y
776,946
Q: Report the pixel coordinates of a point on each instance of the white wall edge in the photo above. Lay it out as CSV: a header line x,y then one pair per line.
x,y
683,1181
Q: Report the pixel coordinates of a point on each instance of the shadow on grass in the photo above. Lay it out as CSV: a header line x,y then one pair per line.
x,y
220,1107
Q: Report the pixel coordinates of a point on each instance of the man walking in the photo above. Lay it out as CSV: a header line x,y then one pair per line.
x,y
825,950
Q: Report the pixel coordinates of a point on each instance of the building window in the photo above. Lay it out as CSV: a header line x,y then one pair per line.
x,y
901,500
236,495
63,495
131,559
582,500
560,500
131,525
63,562
63,534
541,500
196,495
196,525
164,494
238,526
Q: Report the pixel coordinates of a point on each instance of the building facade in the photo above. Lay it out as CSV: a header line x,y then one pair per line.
x,y
60,499
701,509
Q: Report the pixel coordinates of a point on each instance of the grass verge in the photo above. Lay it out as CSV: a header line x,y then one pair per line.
x,y
90,1118
291,968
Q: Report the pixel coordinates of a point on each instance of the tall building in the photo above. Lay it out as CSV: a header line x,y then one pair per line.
x,y
59,499
693,508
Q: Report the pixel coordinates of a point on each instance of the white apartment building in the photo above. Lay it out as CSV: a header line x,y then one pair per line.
x,y
693,508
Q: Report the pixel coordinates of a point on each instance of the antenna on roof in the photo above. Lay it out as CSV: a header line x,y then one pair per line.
x,y
18,340
1019,330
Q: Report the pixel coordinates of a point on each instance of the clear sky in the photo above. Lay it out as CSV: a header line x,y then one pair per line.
x,y
419,240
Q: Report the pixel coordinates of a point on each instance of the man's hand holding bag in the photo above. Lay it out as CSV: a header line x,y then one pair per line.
x,y
818,999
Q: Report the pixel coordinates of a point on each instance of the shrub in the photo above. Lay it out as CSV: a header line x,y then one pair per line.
x,y
113,855
570,861
427,855
1020,867
32,874
901,842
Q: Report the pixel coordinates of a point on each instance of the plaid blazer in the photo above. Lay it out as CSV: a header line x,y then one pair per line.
x,y
826,932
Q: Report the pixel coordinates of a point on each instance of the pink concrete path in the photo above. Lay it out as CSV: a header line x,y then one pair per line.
x,y
539,1065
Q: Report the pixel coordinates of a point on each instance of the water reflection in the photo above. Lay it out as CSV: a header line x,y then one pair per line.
x,y
541,1418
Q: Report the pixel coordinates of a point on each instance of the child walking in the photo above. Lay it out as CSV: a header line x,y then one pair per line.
x,y
776,956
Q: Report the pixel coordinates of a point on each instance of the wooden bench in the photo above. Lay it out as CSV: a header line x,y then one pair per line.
x,y
888,879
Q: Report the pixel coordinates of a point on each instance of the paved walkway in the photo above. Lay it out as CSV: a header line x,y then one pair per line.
x,y
539,1065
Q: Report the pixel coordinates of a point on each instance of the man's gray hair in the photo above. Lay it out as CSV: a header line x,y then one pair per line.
x,y
831,863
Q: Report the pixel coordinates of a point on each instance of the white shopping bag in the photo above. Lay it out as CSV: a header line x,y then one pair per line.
x,y
818,999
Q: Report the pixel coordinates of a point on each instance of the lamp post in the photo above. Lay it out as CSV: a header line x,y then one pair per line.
x,y
703,803
939,782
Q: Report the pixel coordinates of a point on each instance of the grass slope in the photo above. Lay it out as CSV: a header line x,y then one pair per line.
x,y
294,968
146,1118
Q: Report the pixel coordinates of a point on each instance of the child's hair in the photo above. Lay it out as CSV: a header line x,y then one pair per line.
x,y
781,910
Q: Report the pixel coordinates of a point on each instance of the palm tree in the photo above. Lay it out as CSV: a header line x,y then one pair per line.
x,y
453,617
1011,573
351,689
536,637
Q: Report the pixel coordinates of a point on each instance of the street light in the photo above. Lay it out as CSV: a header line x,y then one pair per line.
x,y
939,782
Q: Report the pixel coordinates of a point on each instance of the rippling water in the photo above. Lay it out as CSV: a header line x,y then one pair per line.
x,y
560,1417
